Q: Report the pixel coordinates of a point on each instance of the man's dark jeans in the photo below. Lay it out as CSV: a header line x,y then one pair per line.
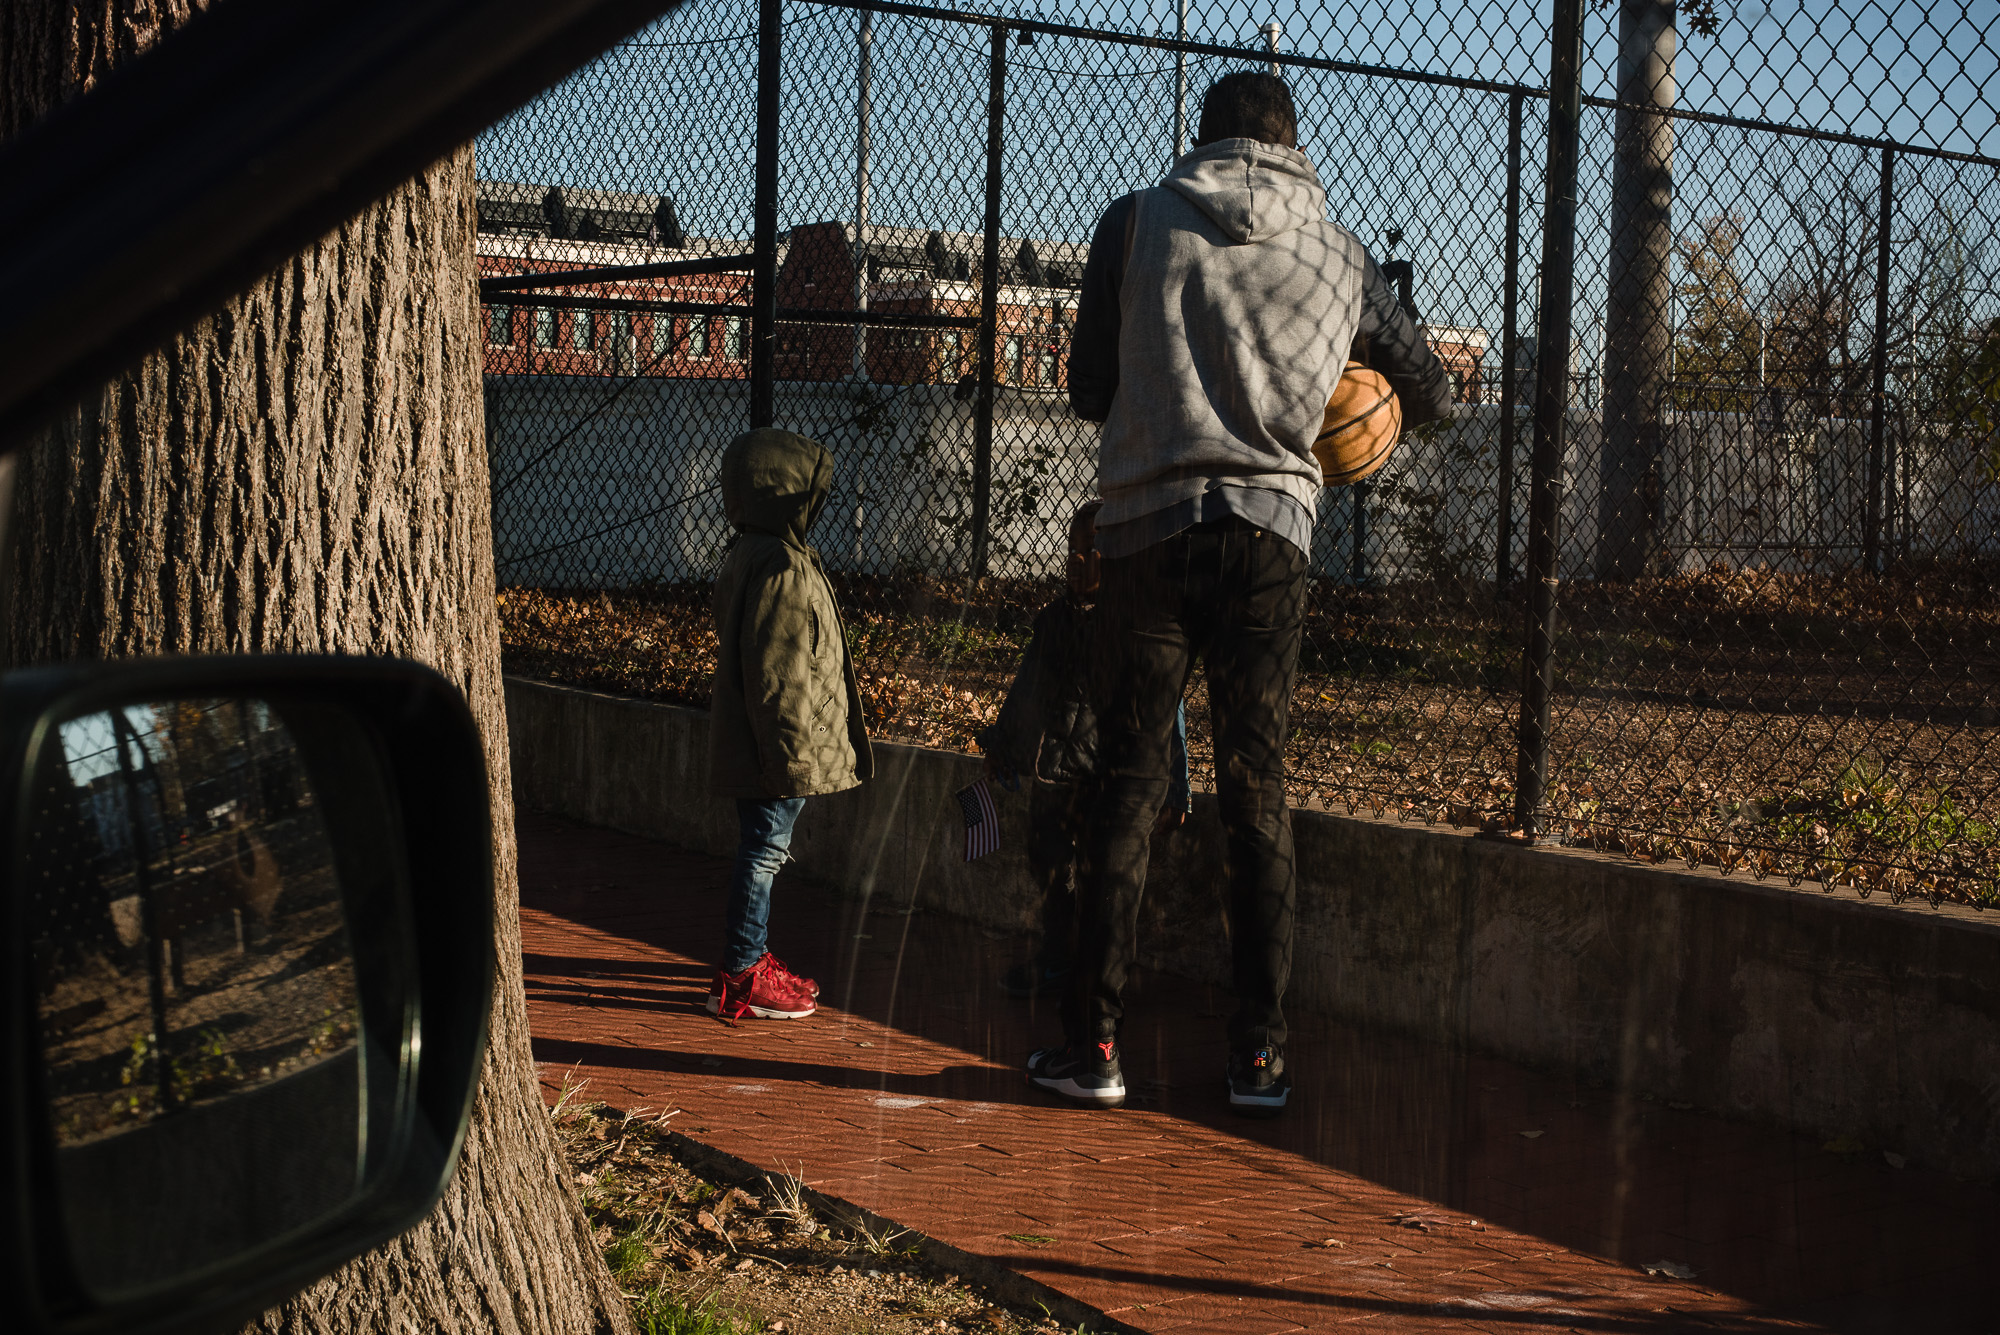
x,y
1234,596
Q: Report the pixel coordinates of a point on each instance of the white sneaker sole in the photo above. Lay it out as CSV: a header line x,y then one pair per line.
x,y
1259,1105
1069,1087
1099,1096
761,1012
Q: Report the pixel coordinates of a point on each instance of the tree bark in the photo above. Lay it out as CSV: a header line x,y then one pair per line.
x,y
305,471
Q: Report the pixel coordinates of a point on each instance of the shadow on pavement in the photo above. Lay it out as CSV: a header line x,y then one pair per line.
x,y
1769,1217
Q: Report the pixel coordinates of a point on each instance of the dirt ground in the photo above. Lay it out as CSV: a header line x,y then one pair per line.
x,y
702,1257
1834,729
253,1002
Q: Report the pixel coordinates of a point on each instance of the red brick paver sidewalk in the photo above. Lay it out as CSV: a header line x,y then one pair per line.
x,y
1409,1188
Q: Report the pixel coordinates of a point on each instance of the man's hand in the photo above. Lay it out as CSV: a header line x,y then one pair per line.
x,y
1169,819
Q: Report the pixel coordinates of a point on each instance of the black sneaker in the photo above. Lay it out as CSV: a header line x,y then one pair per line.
x,y
1258,1084
1088,1075
1035,978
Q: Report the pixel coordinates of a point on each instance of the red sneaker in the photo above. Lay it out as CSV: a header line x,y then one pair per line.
x,y
766,990
812,988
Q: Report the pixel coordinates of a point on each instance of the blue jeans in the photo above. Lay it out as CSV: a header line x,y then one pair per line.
x,y
764,835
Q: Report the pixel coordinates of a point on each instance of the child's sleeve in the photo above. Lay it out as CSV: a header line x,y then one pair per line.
x,y
1014,739
776,643
1180,788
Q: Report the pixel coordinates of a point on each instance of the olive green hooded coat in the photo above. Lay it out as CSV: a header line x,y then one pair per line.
x,y
785,716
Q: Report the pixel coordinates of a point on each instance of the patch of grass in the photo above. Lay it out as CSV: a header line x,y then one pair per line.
x,y
662,1312
877,1242
788,1203
627,1255
1868,811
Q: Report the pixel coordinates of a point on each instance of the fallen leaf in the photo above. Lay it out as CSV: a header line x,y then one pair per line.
x,y
1681,1107
1327,1242
1843,1145
1668,1269
1421,1220
743,1265
1033,1239
1893,1159
1531,1135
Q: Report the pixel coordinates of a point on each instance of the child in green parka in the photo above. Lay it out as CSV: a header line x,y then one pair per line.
x,y
785,719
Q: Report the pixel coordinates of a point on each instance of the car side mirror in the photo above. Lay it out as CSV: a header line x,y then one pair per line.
x,y
247,932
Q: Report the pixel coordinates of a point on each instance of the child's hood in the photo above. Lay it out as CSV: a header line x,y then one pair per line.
x,y
775,482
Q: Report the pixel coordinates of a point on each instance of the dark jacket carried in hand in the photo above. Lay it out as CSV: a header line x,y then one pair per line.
x,y
785,714
1047,726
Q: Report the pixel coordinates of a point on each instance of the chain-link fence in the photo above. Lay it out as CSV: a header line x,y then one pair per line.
x,y
1721,594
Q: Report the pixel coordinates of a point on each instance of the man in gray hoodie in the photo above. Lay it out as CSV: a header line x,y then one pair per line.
x,y
1218,309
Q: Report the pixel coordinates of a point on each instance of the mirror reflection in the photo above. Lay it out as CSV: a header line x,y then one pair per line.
x,y
195,987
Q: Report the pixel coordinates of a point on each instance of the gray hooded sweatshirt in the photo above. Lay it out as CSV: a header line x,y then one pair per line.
x,y
1237,306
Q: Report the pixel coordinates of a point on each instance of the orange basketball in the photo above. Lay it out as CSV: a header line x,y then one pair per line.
x,y
1362,420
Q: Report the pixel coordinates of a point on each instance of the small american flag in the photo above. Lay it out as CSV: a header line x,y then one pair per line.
x,y
982,821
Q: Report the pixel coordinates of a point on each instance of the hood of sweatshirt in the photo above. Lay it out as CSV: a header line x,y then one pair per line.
x,y
775,482
1253,190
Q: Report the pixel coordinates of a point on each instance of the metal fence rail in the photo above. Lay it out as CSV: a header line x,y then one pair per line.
x,y
1700,568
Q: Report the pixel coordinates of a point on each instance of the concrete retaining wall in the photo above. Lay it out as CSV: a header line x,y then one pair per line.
x,y
1834,1015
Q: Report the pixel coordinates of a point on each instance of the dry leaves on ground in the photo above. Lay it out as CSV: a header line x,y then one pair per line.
x,y
699,1257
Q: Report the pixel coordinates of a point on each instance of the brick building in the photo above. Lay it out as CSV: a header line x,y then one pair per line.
x,y
525,228
919,273
1463,352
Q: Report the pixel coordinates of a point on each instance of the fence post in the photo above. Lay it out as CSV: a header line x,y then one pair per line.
x,y
1551,403
1510,343
989,304
764,220
1871,536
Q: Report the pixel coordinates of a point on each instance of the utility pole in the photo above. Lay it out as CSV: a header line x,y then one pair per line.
x,y
1639,324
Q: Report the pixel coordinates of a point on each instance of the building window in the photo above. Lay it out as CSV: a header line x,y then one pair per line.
x,y
663,334
947,343
582,331
732,337
1013,368
621,341
500,326
1048,367
545,327
698,337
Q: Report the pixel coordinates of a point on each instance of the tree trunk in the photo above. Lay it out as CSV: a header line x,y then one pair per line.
x,y
305,471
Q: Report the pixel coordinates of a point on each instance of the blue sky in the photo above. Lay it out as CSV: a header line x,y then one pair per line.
x,y
1087,121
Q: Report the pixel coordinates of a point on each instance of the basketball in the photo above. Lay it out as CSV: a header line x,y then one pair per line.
x,y
1362,420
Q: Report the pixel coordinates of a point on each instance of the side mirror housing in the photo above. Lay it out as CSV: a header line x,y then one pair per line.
x,y
247,930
